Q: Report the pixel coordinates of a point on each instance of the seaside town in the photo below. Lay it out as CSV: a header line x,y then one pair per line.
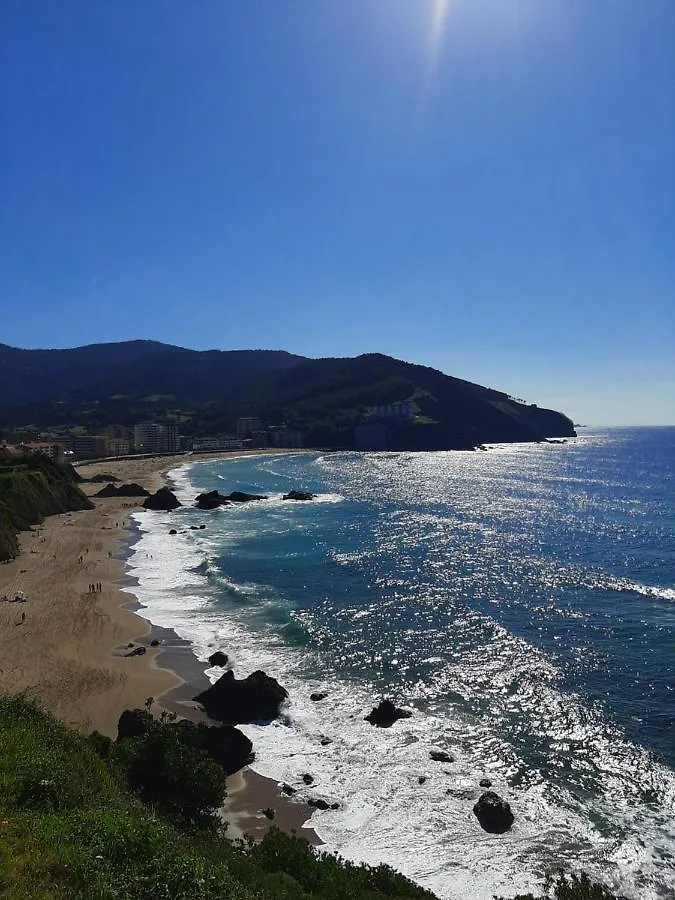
x,y
152,438
144,439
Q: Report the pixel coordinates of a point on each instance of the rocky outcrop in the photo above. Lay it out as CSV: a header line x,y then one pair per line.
x,y
133,723
163,499
218,658
385,714
242,497
298,495
132,490
257,698
493,813
124,490
108,491
440,756
211,500
225,745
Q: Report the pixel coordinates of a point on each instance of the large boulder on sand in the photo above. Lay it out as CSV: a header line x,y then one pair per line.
x,y
132,490
108,491
163,499
218,658
493,813
133,723
385,714
211,500
225,745
257,698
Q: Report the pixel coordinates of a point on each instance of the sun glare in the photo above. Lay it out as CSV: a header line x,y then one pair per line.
x,y
439,14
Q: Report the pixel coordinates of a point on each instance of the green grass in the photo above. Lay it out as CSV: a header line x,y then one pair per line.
x,y
70,827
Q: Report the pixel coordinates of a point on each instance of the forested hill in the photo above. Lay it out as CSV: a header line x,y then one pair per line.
x,y
206,391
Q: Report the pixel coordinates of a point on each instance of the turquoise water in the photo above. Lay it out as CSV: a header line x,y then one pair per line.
x,y
521,602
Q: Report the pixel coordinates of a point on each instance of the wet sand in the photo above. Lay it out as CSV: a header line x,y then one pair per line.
x,y
68,646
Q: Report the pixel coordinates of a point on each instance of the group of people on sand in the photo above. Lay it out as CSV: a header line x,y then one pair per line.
x,y
95,587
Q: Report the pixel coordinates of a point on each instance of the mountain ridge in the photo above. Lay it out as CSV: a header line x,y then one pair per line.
x,y
207,390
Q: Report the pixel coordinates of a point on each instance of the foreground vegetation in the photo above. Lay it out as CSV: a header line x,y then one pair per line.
x,y
73,825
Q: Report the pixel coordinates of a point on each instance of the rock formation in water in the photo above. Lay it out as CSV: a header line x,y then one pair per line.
x,y
493,813
385,714
257,698
163,499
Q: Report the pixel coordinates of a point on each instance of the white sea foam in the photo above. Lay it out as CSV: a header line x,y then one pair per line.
x,y
426,830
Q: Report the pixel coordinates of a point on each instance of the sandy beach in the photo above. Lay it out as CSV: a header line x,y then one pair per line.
x,y
67,645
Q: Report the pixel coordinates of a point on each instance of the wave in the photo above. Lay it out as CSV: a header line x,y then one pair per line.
x,y
584,796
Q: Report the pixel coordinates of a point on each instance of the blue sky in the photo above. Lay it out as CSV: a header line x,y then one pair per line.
x,y
485,187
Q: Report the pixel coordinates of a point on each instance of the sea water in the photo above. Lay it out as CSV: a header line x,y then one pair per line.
x,y
520,601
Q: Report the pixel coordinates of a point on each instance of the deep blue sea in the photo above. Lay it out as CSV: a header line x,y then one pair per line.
x,y
521,601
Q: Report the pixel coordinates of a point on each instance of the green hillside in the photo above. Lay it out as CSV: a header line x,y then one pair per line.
x,y
32,487
205,392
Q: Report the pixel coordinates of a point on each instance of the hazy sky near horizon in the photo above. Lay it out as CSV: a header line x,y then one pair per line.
x,y
485,186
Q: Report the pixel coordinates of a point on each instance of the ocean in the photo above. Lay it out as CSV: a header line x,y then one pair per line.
x,y
520,601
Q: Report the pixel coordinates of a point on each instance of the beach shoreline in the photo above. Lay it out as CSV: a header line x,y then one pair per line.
x,y
70,648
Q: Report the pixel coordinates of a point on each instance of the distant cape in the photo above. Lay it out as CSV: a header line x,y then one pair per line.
x,y
366,401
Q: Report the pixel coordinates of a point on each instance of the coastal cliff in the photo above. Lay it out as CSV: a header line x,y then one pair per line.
x,y
32,487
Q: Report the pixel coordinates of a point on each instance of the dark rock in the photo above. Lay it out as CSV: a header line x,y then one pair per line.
x,y
132,490
218,658
318,804
385,714
211,500
298,495
241,497
485,782
335,806
224,744
308,779
137,651
133,723
172,531
440,756
288,790
163,499
421,779
325,741
102,477
257,698
269,812
318,695
493,813
108,491
154,642
124,490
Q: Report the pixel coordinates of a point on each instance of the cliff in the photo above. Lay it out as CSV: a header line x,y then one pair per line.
x,y
32,487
